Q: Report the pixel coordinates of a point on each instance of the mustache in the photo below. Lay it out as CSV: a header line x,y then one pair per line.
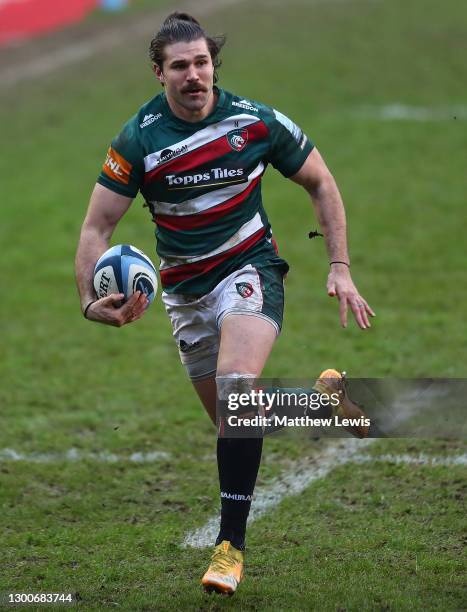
x,y
189,88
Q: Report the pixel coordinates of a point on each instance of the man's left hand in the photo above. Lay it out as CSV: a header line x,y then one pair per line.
x,y
340,284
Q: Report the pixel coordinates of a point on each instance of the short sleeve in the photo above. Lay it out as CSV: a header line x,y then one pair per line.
x,y
123,168
289,145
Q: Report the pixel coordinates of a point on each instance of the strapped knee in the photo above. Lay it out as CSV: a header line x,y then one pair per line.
x,y
232,393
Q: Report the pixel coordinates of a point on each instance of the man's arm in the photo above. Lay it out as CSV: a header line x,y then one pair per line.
x,y
315,177
105,210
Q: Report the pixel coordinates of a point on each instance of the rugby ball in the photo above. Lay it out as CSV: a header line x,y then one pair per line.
x,y
125,269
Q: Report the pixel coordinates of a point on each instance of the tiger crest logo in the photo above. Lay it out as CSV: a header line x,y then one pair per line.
x,y
244,289
237,139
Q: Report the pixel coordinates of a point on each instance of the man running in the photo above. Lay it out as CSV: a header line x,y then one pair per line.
x,y
197,154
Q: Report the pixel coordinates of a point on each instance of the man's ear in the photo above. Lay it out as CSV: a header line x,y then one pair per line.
x,y
158,73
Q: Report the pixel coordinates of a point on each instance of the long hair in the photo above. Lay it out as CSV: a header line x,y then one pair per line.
x,y
182,27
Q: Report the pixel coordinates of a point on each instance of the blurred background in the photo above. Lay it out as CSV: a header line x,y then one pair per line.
x,y
380,87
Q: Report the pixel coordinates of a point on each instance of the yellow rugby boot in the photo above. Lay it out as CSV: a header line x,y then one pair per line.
x,y
225,571
331,381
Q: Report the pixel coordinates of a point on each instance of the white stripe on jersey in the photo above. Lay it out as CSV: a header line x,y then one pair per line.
x,y
208,200
247,230
289,125
201,138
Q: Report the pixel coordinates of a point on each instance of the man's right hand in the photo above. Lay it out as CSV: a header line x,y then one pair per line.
x,y
107,310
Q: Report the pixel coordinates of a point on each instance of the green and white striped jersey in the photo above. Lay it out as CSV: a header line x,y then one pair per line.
x,y
202,184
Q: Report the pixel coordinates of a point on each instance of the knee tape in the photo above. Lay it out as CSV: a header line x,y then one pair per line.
x,y
231,389
234,383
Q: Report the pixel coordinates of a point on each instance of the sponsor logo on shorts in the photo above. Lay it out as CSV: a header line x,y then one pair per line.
x,y
245,289
186,347
237,139
148,119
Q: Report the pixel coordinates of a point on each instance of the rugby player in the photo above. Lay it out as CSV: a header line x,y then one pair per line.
x,y
197,154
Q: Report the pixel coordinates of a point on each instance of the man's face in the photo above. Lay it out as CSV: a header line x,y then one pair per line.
x,y
187,74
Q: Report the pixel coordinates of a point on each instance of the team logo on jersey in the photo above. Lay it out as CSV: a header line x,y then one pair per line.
x,y
245,289
237,139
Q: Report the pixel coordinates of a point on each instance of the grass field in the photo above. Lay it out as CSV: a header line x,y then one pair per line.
x,y
370,536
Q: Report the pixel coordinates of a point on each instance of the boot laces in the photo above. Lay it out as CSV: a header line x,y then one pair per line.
x,y
222,561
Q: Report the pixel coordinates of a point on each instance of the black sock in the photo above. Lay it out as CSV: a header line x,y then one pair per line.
x,y
238,462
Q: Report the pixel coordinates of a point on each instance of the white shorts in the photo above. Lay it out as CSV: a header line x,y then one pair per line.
x,y
196,321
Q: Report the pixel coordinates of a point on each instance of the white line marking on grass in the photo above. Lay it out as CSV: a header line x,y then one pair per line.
x,y
306,471
73,454
293,482
405,112
421,459
100,41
